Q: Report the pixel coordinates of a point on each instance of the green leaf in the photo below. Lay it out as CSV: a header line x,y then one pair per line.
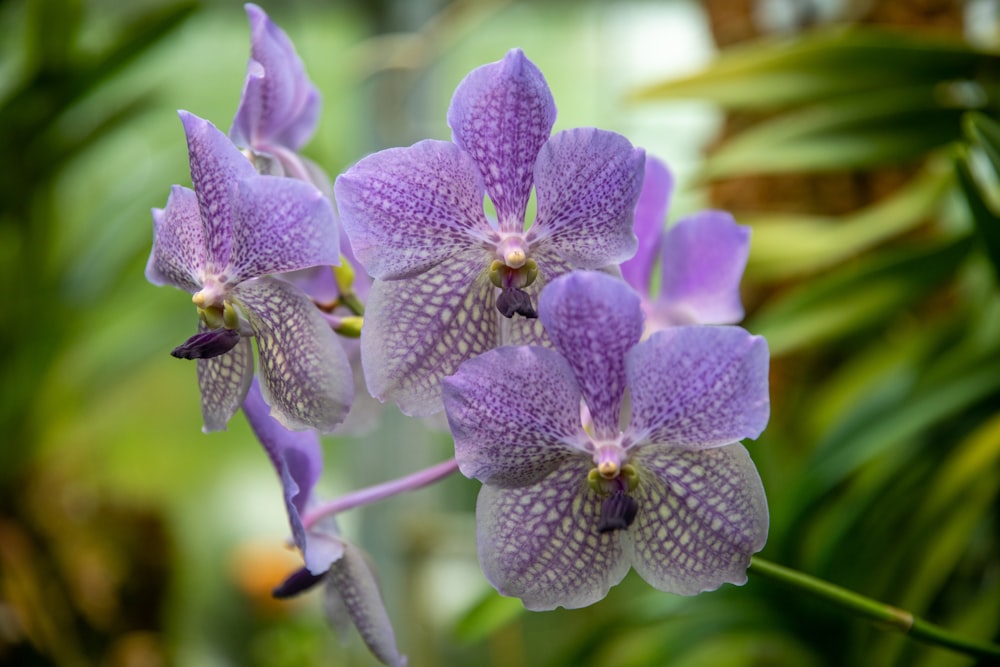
x,y
491,613
856,297
859,130
986,222
775,73
786,245
984,132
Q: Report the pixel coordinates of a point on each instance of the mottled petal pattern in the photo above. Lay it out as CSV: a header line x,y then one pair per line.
x,y
593,320
224,381
352,596
305,375
418,331
514,413
216,166
698,387
588,181
281,225
178,255
703,260
279,104
409,209
501,114
540,542
650,218
701,516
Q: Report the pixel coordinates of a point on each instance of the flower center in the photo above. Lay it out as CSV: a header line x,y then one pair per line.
x,y
614,481
512,272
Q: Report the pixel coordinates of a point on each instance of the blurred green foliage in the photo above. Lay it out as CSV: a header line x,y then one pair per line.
x,y
127,537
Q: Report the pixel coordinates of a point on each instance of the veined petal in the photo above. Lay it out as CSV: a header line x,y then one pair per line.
x,y
305,375
540,542
587,182
417,331
514,413
701,516
281,225
224,381
501,114
178,254
650,218
697,387
406,210
353,598
295,455
279,103
703,260
216,165
593,320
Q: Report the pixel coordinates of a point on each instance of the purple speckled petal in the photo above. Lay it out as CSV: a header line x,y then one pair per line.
x,y
418,331
701,516
408,209
178,254
353,598
281,225
216,165
295,455
501,114
527,331
698,386
593,319
650,217
305,375
224,381
540,543
703,260
279,104
587,182
514,413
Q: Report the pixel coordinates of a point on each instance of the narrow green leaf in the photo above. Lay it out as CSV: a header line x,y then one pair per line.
x,y
986,222
491,613
786,245
857,297
984,132
775,73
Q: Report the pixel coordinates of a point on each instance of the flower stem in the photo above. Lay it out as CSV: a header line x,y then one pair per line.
x,y
381,491
883,614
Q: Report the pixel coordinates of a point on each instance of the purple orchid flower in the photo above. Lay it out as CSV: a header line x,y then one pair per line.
x,y
220,242
564,512
351,595
448,281
279,106
702,258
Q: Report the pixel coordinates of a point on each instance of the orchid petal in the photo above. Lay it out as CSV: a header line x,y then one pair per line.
x,y
216,165
279,104
305,375
703,260
501,114
698,387
282,225
540,542
409,209
514,413
701,516
295,455
178,254
224,381
650,217
353,597
593,320
418,331
587,182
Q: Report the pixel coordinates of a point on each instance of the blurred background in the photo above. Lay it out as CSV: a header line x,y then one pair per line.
x,y
857,138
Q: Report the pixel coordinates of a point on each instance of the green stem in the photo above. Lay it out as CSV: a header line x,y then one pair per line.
x,y
883,614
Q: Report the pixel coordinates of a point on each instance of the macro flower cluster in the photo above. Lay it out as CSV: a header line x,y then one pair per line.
x,y
602,414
